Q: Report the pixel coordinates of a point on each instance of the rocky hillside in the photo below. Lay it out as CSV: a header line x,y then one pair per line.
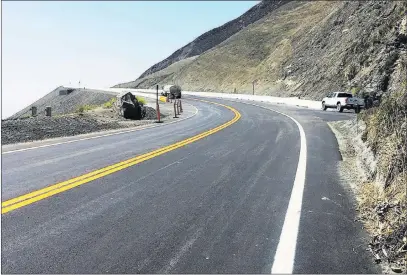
x,y
374,148
305,48
216,36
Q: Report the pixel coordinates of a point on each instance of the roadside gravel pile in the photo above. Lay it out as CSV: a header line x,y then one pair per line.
x,y
64,100
151,113
30,129
39,128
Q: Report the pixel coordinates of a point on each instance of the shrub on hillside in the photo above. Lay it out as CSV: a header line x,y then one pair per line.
x,y
84,108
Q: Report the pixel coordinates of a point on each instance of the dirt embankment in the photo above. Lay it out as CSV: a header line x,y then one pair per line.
x,y
383,211
374,147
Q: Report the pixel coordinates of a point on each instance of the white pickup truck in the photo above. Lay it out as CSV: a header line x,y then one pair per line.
x,y
342,101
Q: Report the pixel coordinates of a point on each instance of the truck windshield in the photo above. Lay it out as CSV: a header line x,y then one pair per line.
x,y
344,95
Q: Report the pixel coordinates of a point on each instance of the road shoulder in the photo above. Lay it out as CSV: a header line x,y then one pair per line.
x,y
330,239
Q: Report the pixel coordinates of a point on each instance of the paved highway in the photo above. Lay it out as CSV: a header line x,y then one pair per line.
x,y
216,203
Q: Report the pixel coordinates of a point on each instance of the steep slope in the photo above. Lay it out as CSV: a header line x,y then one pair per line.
x,y
215,36
157,77
300,48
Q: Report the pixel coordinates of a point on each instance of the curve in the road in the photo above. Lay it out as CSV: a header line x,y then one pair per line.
x,y
57,188
215,206
285,253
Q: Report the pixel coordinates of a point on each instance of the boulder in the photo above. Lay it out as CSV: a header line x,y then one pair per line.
x,y
130,107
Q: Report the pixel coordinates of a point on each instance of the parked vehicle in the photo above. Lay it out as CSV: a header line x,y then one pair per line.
x,y
174,91
342,101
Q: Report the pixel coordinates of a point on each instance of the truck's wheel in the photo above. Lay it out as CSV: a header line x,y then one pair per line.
x,y
357,109
339,108
323,106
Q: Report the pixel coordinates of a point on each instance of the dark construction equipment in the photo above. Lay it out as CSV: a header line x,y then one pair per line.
x,y
172,91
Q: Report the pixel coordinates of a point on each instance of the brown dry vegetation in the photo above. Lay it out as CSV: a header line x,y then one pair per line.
x,y
382,194
386,135
157,77
305,48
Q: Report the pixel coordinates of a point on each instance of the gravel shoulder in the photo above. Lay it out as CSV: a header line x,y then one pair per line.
x,y
97,120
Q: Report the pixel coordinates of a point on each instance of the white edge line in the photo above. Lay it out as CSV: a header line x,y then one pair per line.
x,y
100,136
285,254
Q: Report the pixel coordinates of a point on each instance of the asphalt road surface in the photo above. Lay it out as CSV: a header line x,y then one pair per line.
x,y
216,205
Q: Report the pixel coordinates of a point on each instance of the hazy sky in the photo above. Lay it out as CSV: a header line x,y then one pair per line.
x,y
52,43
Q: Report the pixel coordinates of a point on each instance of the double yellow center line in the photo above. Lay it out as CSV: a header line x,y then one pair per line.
x,y
57,188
